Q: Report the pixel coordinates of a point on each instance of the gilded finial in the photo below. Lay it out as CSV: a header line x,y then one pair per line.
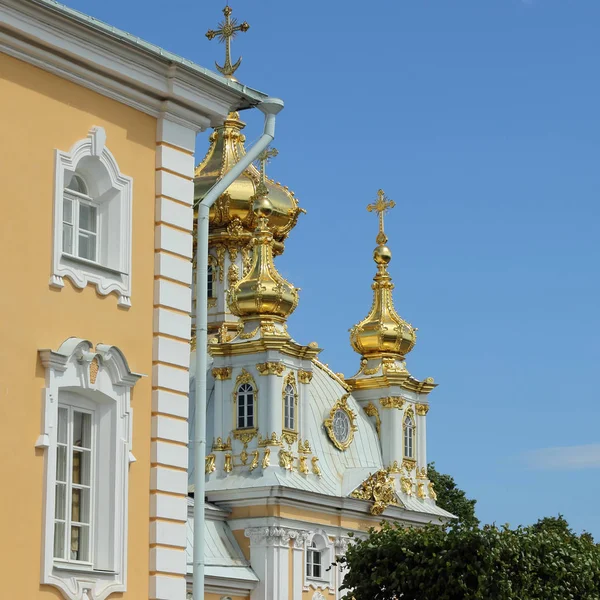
x,y
228,29
381,206
263,159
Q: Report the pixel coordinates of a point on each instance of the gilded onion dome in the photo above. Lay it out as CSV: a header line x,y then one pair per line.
x,y
383,332
234,208
262,292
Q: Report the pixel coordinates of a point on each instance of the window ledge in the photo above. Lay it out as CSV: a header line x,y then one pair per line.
x,y
91,263
81,568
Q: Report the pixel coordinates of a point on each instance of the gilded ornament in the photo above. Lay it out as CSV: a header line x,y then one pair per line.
x,y
313,345
250,334
331,374
246,259
224,336
233,275
220,250
268,328
266,458
392,402
228,463
219,446
209,466
409,464
286,460
379,489
422,473
271,368
211,302
431,489
254,462
305,376
233,253
371,411
407,485
341,424
94,368
235,229
222,373
269,441
421,491
304,447
245,435
244,456
395,467
315,466
303,466
228,29
422,409
289,437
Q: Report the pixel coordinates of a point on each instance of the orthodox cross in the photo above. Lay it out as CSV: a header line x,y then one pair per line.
x,y
263,158
381,206
227,31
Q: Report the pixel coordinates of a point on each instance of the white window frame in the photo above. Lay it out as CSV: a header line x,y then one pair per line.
x,y
409,437
244,394
111,193
99,380
326,549
289,407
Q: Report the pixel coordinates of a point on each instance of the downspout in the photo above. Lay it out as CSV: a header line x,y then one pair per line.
x,y
270,107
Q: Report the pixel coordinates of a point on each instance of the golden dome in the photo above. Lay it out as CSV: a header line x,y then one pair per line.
x,y
383,332
263,292
234,207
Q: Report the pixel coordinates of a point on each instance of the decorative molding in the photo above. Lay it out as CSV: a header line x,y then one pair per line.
x,y
271,368
273,440
69,369
111,192
222,373
392,402
220,446
422,409
286,460
409,464
228,467
315,466
371,411
341,406
210,464
266,462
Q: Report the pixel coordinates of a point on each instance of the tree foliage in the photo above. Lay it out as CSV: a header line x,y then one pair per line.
x,y
452,498
546,561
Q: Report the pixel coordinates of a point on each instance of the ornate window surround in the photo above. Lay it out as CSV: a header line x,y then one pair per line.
x,y
244,377
112,194
409,415
101,376
326,547
290,380
341,405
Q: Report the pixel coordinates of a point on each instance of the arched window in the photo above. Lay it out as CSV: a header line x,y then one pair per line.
x,y
210,280
80,221
245,406
314,562
409,437
289,407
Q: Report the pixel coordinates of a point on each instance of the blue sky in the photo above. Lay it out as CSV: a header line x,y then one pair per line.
x,y
480,119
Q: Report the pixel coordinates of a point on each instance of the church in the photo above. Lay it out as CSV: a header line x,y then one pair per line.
x,y
114,294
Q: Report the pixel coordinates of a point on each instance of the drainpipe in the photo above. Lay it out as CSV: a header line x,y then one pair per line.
x,y
270,107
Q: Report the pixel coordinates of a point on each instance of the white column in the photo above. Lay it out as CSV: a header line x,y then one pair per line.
x,y
171,358
298,548
269,558
391,435
422,410
341,546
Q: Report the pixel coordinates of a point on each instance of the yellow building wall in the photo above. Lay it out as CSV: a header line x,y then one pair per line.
x,y
42,112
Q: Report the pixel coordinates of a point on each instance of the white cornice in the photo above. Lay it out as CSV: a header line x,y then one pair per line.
x,y
123,68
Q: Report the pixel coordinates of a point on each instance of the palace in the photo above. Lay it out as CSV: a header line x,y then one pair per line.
x,y
98,372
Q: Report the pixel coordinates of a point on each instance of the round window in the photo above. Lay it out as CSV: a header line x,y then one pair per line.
x,y
341,426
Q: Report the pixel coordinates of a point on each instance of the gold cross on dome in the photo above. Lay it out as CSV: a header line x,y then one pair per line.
x,y
228,29
381,206
263,159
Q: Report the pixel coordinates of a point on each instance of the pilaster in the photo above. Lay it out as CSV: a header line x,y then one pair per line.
x,y
171,359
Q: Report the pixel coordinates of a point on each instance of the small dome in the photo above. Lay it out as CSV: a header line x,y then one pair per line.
x,y
263,292
235,205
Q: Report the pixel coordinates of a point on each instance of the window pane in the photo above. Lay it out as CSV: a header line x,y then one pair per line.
x,y
81,467
80,506
77,185
63,416
88,217
87,246
82,430
67,211
59,540
80,536
67,240
60,501
61,464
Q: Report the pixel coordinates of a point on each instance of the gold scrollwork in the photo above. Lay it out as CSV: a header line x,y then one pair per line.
x,y
379,489
211,302
220,446
421,491
266,461
304,448
289,437
228,463
409,464
286,460
254,462
245,435
222,373
271,368
342,406
220,249
94,368
371,411
315,466
305,376
233,274
407,485
392,402
422,473
209,466
250,334
395,467
422,409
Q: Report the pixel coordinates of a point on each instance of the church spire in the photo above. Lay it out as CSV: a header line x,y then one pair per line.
x,y
383,333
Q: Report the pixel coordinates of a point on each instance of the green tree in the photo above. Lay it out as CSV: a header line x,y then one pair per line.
x,y
540,562
451,498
